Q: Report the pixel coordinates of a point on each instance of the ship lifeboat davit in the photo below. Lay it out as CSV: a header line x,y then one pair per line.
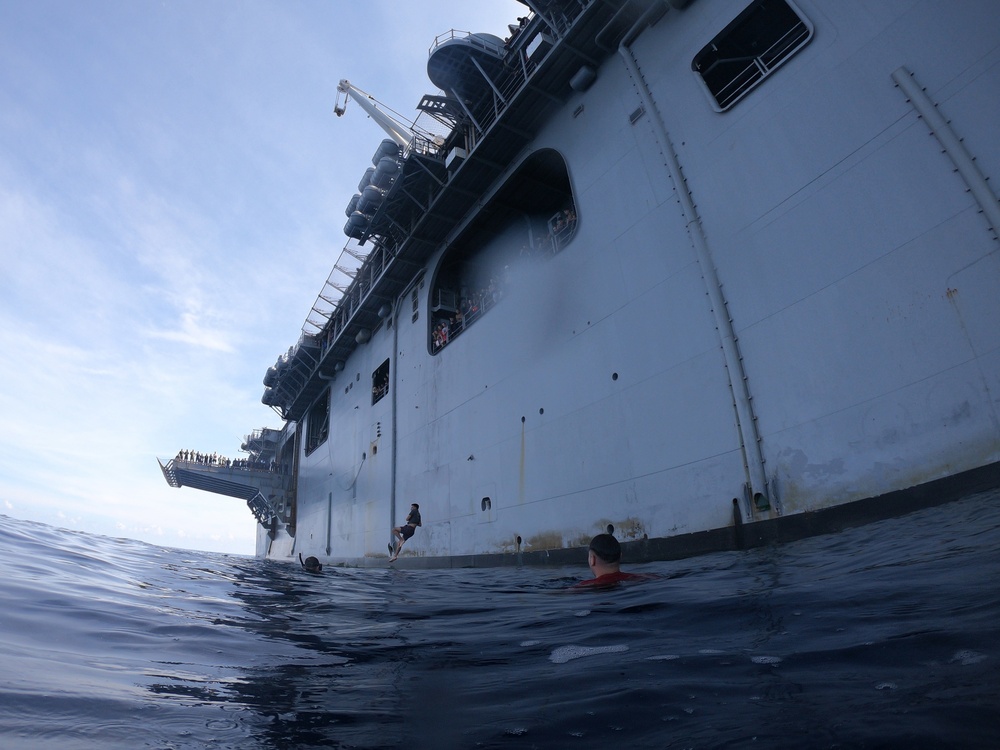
x,y
457,64
371,199
356,225
385,172
388,147
352,205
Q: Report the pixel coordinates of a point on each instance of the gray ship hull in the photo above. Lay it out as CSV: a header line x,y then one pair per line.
x,y
766,317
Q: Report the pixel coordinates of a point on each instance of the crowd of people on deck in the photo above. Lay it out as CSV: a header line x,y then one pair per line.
x,y
470,307
222,462
379,389
560,229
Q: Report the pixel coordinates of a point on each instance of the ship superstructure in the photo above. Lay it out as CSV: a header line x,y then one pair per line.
x,y
699,273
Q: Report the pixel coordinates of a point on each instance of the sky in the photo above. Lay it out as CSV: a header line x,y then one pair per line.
x,y
172,189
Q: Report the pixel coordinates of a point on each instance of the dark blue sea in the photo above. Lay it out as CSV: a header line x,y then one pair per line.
x,y
885,636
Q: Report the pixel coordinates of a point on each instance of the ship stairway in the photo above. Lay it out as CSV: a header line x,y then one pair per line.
x,y
168,473
242,483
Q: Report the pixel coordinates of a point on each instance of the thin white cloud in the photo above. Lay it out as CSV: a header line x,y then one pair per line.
x,y
192,332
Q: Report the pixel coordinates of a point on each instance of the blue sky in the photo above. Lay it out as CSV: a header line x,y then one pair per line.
x,y
172,192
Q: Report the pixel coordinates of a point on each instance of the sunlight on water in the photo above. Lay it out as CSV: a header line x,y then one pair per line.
x,y
884,636
564,654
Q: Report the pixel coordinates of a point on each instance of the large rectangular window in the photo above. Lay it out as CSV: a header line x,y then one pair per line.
x,y
758,42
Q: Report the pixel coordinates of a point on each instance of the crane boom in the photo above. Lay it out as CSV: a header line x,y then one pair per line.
x,y
396,130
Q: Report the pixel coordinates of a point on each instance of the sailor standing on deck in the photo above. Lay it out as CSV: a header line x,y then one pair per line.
x,y
404,532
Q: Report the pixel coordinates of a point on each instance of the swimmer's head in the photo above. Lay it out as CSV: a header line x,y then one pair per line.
x,y
313,565
606,548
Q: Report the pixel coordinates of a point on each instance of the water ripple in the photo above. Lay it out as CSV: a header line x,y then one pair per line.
x,y
873,637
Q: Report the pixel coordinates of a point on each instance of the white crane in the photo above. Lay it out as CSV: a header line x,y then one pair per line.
x,y
400,133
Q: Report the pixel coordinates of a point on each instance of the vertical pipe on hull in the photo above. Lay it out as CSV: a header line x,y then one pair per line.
x,y
329,520
952,146
738,384
393,391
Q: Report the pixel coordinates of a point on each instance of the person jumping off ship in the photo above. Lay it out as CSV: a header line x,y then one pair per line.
x,y
404,532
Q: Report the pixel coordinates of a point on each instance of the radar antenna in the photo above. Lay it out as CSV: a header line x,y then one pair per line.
x,y
400,133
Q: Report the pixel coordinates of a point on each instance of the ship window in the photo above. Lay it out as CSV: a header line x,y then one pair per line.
x,y
748,50
380,382
318,422
531,218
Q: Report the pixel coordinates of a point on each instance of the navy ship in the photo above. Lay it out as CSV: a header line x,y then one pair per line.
x,y
705,274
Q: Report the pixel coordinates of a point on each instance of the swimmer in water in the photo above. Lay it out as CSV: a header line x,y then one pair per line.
x,y
311,564
604,558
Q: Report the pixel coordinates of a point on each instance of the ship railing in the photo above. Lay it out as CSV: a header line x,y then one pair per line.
x,y
504,90
518,63
447,329
762,65
426,145
236,465
261,440
562,227
261,507
472,39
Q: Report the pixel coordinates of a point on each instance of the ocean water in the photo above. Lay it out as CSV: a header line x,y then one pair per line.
x,y
884,636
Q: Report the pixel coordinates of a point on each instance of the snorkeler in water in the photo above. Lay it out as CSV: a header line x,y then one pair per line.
x,y
311,564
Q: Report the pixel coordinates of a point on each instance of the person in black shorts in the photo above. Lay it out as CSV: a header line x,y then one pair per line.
x,y
404,532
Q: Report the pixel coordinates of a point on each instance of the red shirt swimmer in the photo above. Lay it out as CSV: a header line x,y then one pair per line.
x,y
604,558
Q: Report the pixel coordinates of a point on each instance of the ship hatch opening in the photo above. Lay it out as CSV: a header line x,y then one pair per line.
x,y
380,382
530,219
318,422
